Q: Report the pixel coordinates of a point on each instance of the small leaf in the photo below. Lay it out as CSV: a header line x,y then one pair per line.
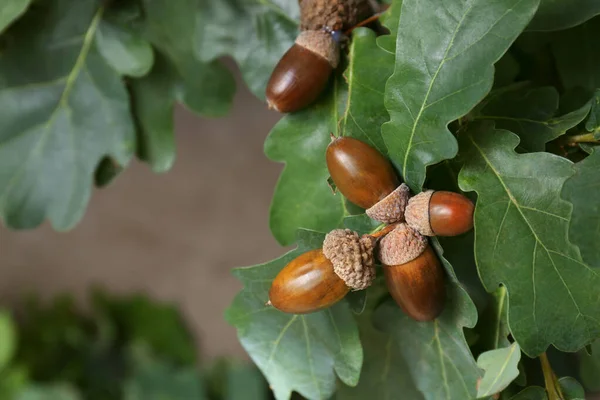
x,y
530,114
520,227
58,118
581,190
571,389
493,323
295,352
10,10
531,393
424,95
8,339
561,14
576,56
589,368
501,368
593,122
263,31
125,51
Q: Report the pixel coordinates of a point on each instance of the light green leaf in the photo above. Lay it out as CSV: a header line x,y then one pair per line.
x,y
530,113
442,73
589,367
501,368
125,51
581,190
8,339
10,10
561,14
521,241
58,118
49,392
262,32
295,352
577,58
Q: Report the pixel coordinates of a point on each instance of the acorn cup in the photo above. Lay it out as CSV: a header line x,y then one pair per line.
x,y
440,213
413,273
320,278
333,15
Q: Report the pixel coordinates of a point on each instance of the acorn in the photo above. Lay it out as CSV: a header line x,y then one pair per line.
x,y
320,278
413,273
366,178
303,71
440,213
333,15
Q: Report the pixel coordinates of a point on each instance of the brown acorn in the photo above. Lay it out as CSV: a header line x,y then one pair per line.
x,y
440,213
413,273
320,278
333,14
303,72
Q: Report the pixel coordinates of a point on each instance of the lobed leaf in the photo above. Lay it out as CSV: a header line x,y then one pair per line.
x,y
58,118
521,241
501,368
442,73
295,352
10,10
561,14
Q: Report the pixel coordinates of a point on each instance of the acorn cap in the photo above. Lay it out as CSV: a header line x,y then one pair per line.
x,y
391,208
351,256
322,44
333,14
417,213
401,245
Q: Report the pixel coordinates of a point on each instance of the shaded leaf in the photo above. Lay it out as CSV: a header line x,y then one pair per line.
x,y
106,172
593,122
589,367
441,73
571,389
263,31
577,56
520,227
530,114
10,10
560,14
581,190
295,352
493,323
8,339
58,118
501,368
48,392
531,393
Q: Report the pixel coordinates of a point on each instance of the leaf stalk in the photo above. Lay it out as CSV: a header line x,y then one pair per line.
x,y
551,382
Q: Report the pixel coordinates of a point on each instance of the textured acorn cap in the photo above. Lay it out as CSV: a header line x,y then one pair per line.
x,y
417,213
333,14
321,43
391,208
401,245
351,256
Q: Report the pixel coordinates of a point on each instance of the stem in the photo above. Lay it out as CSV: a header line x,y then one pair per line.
x,y
583,138
552,387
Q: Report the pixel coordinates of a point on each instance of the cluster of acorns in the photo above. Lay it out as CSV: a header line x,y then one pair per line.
x,y
414,276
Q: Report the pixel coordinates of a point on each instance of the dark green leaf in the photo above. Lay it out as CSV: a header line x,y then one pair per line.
x,y
593,122
390,19
106,172
571,389
530,114
560,14
49,392
577,56
59,117
531,393
501,368
442,73
125,51
589,368
493,324
506,70
521,228
302,198
582,190
10,10
295,352
255,33
8,339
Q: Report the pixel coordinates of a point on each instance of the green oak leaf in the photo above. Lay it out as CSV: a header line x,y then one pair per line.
x,y
593,122
561,14
521,241
581,190
493,323
58,391
8,338
263,31
58,118
589,367
424,95
295,352
530,113
302,197
385,372
577,58
531,393
10,10
501,368
571,389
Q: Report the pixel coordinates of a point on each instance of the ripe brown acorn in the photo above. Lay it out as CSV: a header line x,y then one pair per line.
x,y
303,72
440,213
362,174
413,273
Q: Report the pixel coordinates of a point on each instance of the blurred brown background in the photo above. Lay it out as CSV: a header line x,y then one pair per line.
x,y
175,236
